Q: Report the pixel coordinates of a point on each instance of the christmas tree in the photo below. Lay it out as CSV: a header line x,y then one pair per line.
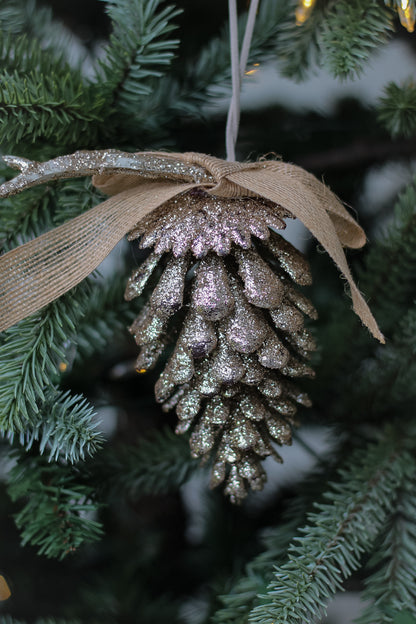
x,y
107,514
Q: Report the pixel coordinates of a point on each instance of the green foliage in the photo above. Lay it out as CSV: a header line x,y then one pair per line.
x,y
337,535
157,464
138,52
201,79
65,428
7,619
27,215
353,29
368,372
41,95
24,217
139,94
31,354
72,198
389,375
57,515
204,76
404,617
242,597
397,109
339,35
389,279
23,54
61,109
297,47
106,318
391,588
27,17
322,552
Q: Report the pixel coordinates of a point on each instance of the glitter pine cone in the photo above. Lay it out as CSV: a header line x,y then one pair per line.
x,y
223,282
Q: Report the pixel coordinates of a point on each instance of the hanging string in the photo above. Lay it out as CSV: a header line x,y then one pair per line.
x,y
238,68
233,111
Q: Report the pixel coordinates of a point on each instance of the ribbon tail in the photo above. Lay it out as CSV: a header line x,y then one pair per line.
x,y
301,203
38,272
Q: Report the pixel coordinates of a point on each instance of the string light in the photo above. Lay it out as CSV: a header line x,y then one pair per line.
x,y
304,10
65,366
5,592
407,14
250,72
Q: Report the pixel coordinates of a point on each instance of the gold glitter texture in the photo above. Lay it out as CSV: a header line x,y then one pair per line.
x,y
227,281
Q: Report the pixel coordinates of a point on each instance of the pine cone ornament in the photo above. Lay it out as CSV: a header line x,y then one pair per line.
x,y
221,281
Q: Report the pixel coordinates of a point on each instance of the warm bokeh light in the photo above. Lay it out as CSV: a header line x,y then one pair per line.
x,y
304,10
407,15
252,71
5,592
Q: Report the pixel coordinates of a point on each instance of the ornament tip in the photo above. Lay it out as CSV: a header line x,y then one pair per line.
x,y
380,337
375,330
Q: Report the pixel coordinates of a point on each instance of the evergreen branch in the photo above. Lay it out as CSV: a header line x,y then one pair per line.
x,y
27,215
392,586
8,619
65,428
25,17
247,591
240,600
159,464
210,71
339,35
106,317
397,109
352,30
389,276
23,55
138,51
398,366
386,379
31,354
57,514
56,107
297,47
206,75
337,535
73,197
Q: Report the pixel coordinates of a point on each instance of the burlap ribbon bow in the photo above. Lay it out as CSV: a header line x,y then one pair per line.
x,y
38,272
